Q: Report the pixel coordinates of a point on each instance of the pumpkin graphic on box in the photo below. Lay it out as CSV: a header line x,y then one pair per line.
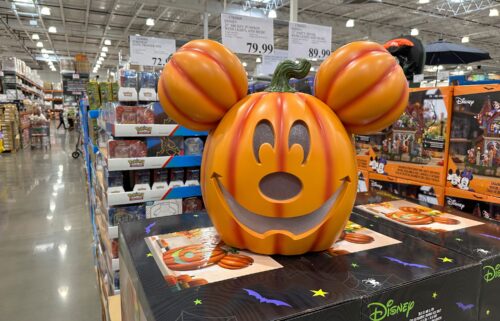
x,y
278,173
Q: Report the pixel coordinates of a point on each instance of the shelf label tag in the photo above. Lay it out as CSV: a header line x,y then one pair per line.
x,y
270,62
247,35
309,41
417,78
76,76
150,51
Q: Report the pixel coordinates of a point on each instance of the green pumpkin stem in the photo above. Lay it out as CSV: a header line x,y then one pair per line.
x,y
285,71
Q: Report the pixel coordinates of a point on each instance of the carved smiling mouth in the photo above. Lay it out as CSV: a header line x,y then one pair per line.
x,y
296,225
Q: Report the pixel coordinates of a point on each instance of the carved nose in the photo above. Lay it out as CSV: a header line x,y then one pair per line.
x,y
280,185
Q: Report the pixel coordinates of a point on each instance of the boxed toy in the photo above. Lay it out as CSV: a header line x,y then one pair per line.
x,y
367,275
363,181
165,146
127,148
415,147
163,208
478,205
474,161
460,232
129,213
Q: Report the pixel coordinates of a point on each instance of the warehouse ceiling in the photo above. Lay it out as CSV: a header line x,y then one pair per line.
x,y
82,26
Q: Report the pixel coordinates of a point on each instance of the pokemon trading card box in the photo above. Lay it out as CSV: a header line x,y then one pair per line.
x,y
176,268
471,236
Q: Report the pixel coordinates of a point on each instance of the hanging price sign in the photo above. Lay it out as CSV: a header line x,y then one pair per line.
x,y
247,35
309,41
270,62
149,51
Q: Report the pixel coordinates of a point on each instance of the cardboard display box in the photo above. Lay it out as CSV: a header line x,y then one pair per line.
x,y
474,159
407,188
479,205
460,232
367,275
415,147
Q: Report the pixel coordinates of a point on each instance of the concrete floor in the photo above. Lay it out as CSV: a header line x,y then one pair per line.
x,y
46,261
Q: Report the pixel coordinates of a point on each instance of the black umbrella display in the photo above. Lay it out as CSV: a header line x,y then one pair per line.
x,y
447,53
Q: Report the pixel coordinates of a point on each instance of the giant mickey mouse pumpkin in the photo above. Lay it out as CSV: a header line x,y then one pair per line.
x,y
278,169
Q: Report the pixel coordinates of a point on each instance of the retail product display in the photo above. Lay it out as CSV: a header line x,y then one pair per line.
x,y
452,229
250,197
360,278
474,160
415,147
484,206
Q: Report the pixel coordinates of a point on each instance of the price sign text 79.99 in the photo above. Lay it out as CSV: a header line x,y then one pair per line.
x,y
264,48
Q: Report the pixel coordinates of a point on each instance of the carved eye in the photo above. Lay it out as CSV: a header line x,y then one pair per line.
x,y
299,134
264,133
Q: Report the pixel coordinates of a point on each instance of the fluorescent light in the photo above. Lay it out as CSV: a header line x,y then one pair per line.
x,y
101,59
103,54
52,29
272,14
350,23
35,36
258,60
150,22
465,39
105,49
45,55
440,67
493,12
244,64
469,67
424,1
39,44
107,42
414,32
45,11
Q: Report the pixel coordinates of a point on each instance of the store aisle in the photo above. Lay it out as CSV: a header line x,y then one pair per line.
x,y
46,264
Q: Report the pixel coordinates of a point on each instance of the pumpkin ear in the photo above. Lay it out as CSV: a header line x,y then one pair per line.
x,y
365,86
200,83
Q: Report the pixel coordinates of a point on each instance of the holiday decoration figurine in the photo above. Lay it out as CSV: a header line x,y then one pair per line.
x,y
279,170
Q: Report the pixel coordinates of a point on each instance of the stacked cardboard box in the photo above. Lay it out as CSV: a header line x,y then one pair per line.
x,y
9,125
445,148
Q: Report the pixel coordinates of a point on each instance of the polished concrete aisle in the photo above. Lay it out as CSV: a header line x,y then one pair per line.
x,y
46,261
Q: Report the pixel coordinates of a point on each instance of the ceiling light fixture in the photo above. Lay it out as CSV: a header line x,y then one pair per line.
x,y
105,49
493,12
35,36
101,59
98,62
414,32
350,23
150,22
465,39
45,11
272,14
440,67
39,44
107,42
469,67
103,54
258,60
45,55
244,64
52,29
424,1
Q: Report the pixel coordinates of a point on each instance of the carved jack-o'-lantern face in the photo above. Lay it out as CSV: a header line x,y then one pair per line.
x,y
278,169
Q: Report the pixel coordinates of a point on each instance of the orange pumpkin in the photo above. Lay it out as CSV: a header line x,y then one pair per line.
x,y
365,86
278,171
202,80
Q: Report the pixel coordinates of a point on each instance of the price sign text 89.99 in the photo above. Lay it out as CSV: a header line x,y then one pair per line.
x,y
316,53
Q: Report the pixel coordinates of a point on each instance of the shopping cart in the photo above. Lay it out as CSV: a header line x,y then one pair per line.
x,y
77,151
40,134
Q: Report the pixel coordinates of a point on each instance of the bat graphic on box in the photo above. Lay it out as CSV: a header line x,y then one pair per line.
x,y
266,300
403,263
464,307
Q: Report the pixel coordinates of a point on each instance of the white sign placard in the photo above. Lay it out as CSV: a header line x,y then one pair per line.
x,y
309,41
247,35
149,51
418,78
270,62
443,75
